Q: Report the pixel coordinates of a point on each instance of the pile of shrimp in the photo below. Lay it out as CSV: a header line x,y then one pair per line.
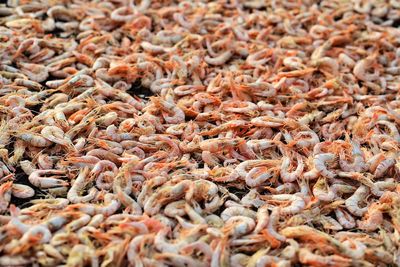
x,y
270,139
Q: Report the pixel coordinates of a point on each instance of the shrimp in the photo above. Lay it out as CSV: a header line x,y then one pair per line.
x,y
80,255
373,217
383,166
111,205
219,60
345,219
258,175
297,202
361,67
37,234
171,113
218,144
237,211
56,135
352,203
35,139
302,141
5,195
358,164
78,185
239,225
272,224
290,177
320,164
312,259
38,178
262,219
241,168
22,191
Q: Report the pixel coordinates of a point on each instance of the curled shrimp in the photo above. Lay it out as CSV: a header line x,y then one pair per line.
x,y
352,203
78,185
361,68
373,217
320,164
297,203
259,175
289,177
56,135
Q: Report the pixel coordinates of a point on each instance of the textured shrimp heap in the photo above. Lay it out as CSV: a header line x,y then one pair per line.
x,y
271,138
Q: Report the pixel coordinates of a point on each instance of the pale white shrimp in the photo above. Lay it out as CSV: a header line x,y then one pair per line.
x,y
258,58
78,223
161,244
35,139
239,260
38,178
306,139
78,186
242,167
111,205
194,216
15,260
297,203
345,219
262,219
102,166
258,175
383,166
218,144
5,195
45,162
294,63
237,211
123,14
175,208
56,135
171,113
361,67
155,49
22,191
373,218
310,259
320,164
252,198
81,255
36,231
35,72
239,225
288,177
346,60
352,203
268,260
358,164
272,223
267,121
332,192
329,223
200,246
219,60
135,246
382,186
394,132
261,144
